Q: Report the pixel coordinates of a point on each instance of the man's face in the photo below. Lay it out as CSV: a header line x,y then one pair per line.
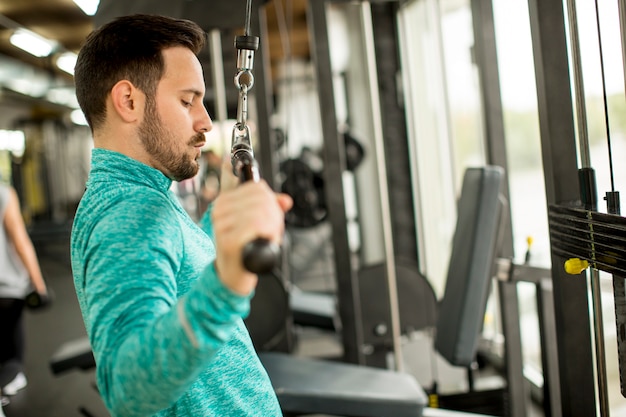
x,y
172,131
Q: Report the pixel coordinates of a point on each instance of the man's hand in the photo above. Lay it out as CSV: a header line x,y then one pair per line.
x,y
241,214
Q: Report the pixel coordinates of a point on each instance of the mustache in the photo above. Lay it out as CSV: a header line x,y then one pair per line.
x,y
197,139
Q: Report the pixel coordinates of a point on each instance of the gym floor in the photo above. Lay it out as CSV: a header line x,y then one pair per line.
x,y
49,395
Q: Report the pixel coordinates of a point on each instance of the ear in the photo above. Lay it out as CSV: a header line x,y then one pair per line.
x,y
128,101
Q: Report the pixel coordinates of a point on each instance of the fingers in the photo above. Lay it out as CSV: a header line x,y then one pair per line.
x,y
241,215
252,210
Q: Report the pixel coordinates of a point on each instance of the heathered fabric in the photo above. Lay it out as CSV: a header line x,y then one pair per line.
x,y
14,282
167,336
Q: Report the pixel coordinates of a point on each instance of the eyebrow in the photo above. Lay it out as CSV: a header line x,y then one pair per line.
x,y
196,93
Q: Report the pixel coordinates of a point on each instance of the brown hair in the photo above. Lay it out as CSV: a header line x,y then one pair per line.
x,y
128,48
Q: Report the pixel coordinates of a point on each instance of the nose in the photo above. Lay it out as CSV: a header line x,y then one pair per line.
x,y
203,122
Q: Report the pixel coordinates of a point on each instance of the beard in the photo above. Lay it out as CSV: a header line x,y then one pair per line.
x,y
160,143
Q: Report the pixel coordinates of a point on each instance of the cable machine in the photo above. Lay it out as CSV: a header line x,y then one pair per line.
x,y
580,235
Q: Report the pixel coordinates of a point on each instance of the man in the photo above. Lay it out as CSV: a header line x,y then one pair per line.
x,y
162,301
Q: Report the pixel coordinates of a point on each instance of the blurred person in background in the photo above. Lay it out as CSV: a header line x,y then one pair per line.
x,y
20,275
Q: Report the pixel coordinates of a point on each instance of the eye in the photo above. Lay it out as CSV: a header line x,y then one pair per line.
x,y
186,103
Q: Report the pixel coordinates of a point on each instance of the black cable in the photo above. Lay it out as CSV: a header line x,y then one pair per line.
x,y
606,106
248,14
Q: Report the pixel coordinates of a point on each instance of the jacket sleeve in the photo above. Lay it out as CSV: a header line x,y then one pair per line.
x,y
150,346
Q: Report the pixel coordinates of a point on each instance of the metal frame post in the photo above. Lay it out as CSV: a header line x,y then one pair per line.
x,y
556,122
268,162
334,166
493,120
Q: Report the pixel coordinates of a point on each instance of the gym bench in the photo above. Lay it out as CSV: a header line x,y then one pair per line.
x,y
312,386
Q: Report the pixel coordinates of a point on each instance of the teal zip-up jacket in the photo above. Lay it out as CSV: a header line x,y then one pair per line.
x,y
168,337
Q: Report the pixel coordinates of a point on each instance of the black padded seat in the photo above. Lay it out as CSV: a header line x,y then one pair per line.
x,y
307,386
313,309
72,354
312,386
417,300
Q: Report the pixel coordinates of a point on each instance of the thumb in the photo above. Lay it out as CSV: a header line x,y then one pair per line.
x,y
284,201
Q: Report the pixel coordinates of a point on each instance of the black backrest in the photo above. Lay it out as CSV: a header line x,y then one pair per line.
x,y
471,266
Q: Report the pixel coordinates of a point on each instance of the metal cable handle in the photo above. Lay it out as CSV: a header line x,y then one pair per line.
x,y
259,256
